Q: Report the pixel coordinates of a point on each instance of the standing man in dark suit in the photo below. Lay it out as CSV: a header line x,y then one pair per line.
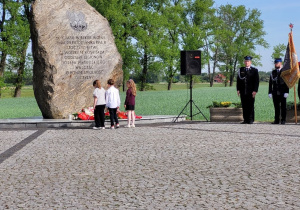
x,y
247,87
279,91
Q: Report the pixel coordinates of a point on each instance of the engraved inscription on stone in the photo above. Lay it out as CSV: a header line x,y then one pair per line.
x,y
82,53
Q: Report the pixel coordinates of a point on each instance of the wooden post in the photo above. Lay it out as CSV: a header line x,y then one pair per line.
x,y
295,103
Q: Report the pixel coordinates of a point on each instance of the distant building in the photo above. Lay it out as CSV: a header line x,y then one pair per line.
x,y
219,78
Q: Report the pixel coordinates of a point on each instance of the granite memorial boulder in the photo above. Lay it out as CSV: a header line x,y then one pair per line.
x,y
72,46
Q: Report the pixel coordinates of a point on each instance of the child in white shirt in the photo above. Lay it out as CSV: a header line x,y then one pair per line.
x,y
113,103
99,105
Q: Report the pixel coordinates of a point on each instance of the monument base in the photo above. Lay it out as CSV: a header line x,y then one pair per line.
x,y
39,122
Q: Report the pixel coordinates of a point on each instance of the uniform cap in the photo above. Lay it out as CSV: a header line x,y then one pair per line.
x,y
248,58
277,60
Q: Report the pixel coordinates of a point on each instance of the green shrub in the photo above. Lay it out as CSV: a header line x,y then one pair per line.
x,y
291,105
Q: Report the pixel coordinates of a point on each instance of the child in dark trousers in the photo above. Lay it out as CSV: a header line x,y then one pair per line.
x,y
113,103
99,105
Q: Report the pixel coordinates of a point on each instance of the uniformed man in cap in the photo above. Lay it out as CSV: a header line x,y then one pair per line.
x,y
247,87
279,91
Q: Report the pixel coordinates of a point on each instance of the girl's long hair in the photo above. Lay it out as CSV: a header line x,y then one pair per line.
x,y
133,87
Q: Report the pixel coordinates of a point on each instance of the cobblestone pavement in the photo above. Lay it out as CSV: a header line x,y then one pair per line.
x,y
171,166
10,138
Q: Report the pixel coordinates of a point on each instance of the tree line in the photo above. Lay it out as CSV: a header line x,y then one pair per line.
x,y
149,35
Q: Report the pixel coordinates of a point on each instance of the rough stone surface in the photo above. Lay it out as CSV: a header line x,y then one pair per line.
x,y
171,166
72,46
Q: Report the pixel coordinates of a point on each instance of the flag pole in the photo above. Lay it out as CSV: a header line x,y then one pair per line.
x,y
295,103
295,96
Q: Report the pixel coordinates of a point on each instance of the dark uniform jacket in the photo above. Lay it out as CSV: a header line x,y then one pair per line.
x,y
247,81
277,85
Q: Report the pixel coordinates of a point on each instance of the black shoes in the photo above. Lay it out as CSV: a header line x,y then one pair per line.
x,y
251,122
275,122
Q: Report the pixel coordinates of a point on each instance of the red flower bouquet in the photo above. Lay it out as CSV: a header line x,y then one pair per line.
x,y
88,114
121,115
85,114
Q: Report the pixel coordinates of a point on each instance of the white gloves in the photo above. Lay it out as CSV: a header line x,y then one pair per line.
x,y
285,95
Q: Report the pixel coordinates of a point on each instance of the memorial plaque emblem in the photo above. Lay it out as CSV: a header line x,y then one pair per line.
x,y
77,21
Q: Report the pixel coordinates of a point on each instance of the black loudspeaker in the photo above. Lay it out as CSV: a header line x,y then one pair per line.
x,y
191,62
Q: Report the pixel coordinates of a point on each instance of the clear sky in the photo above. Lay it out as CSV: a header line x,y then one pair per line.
x,y
277,15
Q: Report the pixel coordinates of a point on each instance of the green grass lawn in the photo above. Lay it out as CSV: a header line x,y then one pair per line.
x,y
159,102
182,86
8,92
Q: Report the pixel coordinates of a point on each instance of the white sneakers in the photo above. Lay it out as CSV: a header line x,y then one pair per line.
x,y
113,127
129,126
117,126
99,128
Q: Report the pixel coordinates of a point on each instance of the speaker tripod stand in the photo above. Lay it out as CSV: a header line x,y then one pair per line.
x,y
191,103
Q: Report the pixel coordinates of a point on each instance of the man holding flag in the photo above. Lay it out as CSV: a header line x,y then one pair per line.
x,y
290,71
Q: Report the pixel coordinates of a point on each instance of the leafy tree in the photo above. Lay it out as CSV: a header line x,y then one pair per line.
x,y
122,21
3,47
148,36
169,51
3,43
11,72
198,30
196,23
22,37
278,51
264,76
242,32
212,45
15,35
